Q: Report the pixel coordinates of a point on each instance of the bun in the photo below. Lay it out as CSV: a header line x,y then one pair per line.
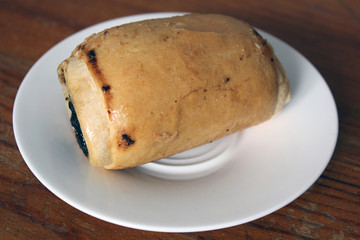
x,y
147,90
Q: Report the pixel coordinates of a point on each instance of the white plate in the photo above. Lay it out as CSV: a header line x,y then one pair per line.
x,y
271,165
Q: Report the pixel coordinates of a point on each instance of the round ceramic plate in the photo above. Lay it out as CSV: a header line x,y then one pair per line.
x,y
269,166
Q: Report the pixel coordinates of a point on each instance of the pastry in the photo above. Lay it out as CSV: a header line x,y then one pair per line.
x,y
146,90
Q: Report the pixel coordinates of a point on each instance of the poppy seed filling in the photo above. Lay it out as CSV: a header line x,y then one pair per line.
x,y
78,133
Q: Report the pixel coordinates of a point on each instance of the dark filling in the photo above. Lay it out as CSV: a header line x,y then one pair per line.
x,y
128,140
105,88
76,125
92,60
91,54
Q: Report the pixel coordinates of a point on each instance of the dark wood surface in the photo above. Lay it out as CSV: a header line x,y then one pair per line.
x,y
327,32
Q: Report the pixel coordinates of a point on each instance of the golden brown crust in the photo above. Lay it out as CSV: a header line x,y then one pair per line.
x,y
166,85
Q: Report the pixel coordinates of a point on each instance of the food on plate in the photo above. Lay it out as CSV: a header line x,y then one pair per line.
x,y
146,90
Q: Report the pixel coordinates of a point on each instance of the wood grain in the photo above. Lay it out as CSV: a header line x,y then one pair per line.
x,y
325,32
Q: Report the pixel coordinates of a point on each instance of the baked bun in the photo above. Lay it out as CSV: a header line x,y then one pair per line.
x,y
146,90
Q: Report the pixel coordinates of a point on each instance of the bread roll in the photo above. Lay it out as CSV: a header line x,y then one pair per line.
x,y
146,90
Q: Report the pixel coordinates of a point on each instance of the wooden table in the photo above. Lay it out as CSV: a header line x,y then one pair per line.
x,y
326,32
